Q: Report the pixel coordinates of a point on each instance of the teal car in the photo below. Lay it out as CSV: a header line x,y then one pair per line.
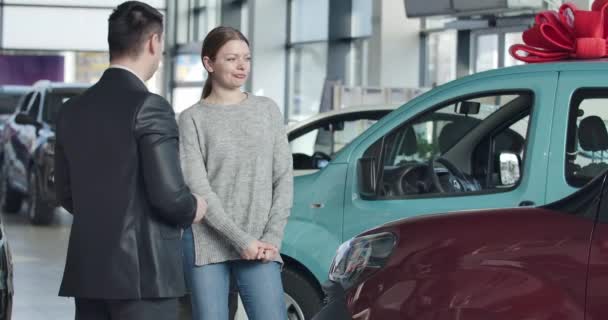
x,y
519,136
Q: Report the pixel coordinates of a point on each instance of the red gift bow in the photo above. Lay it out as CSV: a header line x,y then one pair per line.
x,y
568,33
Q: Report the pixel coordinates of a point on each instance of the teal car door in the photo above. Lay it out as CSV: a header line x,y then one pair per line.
x,y
579,150
314,229
480,142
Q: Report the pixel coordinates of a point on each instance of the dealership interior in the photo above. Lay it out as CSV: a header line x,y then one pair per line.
x,y
317,59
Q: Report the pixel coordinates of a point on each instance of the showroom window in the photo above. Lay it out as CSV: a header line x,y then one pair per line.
x,y
200,16
441,57
307,54
361,31
308,47
188,73
491,48
488,49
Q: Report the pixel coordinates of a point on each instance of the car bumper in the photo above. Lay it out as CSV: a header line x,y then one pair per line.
x,y
336,307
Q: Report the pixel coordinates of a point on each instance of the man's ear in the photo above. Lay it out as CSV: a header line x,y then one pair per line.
x,y
155,44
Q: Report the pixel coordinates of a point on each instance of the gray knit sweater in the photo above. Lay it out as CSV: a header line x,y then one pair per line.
x,y
237,158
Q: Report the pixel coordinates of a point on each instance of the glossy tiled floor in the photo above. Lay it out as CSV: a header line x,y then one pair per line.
x,y
39,257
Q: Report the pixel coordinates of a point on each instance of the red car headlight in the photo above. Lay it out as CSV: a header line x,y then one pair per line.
x,y
360,257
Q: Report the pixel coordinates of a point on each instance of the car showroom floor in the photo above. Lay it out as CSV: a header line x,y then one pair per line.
x,y
38,259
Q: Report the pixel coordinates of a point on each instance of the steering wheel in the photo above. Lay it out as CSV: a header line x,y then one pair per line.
x,y
420,173
457,180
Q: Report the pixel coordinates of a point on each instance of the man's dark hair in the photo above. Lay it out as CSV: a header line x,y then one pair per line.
x,y
129,27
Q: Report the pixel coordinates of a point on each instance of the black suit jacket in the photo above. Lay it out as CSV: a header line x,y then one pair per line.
x,y
117,170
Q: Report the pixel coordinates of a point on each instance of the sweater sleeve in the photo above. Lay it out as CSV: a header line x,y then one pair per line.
x,y
192,158
282,181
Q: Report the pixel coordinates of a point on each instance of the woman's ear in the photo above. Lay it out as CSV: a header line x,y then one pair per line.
x,y
208,64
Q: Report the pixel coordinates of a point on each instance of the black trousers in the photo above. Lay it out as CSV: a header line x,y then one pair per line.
x,y
147,309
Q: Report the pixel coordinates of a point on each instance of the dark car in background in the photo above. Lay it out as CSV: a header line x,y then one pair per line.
x,y
28,149
10,97
6,277
549,262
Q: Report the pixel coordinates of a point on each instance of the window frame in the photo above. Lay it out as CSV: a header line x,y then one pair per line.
x,y
24,104
578,96
374,115
37,95
380,173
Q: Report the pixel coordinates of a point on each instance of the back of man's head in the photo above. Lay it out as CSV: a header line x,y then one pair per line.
x,y
130,26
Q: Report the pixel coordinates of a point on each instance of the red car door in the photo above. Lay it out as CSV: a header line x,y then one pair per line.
x,y
597,280
524,263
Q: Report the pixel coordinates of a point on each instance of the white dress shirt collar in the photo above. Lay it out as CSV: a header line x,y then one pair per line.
x,y
119,66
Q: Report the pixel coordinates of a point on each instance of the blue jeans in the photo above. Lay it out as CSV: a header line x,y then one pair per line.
x,y
259,286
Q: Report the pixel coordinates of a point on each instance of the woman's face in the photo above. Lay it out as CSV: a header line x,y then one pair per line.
x,y
231,65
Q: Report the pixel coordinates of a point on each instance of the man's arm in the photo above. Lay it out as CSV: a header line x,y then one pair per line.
x,y
63,187
157,137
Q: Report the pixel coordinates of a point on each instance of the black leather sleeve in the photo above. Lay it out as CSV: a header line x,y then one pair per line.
x,y
63,187
157,135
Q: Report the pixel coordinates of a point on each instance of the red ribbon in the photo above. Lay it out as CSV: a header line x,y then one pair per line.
x,y
569,33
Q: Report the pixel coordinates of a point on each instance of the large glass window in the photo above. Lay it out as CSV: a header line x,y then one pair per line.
x,y
356,73
441,57
511,38
309,20
184,97
467,146
587,143
189,68
309,24
486,55
203,15
489,50
361,18
189,75
307,75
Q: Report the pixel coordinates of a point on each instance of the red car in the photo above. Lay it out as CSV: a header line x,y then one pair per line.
x,y
541,263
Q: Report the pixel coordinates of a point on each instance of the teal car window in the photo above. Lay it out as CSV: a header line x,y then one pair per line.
x,y
330,138
587,140
455,148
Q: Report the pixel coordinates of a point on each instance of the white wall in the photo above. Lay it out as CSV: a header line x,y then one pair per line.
x,y
58,28
395,46
267,34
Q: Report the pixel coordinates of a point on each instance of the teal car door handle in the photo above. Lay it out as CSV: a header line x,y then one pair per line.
x,y
526,203
317,206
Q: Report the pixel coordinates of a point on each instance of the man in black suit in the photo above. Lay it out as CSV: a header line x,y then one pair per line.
x,y
117,172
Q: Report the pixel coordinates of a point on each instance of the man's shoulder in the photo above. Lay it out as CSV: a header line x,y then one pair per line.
x,y
155,115
152,102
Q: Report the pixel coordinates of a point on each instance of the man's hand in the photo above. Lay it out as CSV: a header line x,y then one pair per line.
x,y
201,209
251,252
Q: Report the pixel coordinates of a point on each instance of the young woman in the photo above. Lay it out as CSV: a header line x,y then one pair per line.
x,y
234,153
